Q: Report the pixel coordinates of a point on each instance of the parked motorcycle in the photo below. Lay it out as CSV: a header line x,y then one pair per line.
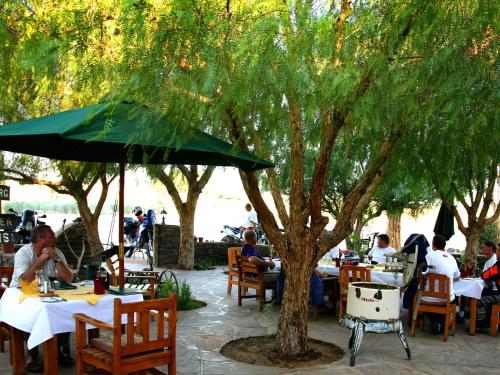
x,y
232,234
29,219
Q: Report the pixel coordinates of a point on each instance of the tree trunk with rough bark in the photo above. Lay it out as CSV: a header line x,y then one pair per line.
x,y
394,229
291,337
186,246
471,248
90,222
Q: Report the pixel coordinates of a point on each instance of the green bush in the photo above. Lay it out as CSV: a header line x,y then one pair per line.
x,y
490,233
185,299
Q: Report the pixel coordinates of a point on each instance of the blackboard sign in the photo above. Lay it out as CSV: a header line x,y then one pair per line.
x,y
8,237
4,192
9,221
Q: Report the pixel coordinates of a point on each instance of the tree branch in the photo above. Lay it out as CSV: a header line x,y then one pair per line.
x,y
172,190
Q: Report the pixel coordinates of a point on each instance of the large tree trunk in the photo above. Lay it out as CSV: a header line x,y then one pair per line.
x,y
471,248
91,226
186,246
291,337
394,229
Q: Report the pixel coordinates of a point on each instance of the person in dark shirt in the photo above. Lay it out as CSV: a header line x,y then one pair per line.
x,y
249,250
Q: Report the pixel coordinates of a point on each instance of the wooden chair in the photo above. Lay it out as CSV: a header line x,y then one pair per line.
x,y
437,286
250,277
5,279
350,274
330,290
137,349
144,282
495,319
232,267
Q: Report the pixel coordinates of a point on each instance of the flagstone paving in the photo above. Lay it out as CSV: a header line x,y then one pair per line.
x,y
201,333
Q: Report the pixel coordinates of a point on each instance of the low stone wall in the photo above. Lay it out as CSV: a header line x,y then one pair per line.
x,y
166,247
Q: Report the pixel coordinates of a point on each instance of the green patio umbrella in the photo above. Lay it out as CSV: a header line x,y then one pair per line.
x,y
445,222
124,132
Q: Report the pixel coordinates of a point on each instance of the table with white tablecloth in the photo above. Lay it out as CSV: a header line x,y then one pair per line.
x,y
45,320
381,277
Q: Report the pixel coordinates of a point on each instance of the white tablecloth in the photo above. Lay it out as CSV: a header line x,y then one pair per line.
x,y
386,278
469,287
464,287
44,320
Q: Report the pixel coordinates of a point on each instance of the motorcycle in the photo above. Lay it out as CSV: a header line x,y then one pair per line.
x,y
232,234
29,219
131,228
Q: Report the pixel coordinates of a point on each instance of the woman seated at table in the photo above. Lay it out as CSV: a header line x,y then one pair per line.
x,y
316,289
41,254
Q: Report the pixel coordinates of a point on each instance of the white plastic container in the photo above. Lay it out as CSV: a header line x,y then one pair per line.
x,y
373,301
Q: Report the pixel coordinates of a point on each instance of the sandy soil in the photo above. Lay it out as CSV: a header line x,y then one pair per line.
x,y
258,350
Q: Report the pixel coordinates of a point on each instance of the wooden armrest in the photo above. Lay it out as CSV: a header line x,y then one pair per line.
x,y
93,322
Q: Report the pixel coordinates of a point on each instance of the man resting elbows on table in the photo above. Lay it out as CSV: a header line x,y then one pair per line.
x,y
41,254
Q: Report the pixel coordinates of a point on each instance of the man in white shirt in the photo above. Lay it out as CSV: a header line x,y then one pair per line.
x,y
251,221
41,254
442,263
377,253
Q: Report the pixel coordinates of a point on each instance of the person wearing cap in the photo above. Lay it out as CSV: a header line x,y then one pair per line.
x,y
489,250
378,253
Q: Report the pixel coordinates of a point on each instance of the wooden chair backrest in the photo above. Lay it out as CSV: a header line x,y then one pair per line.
x,y
113,264
350,274
248,271
5,273
138,321
232,252
436,285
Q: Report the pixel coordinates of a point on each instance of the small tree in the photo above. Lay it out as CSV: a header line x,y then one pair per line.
x,y
186,209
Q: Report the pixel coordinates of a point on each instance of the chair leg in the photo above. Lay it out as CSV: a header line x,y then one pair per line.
x,y
2,338
229,284
413,326
171,367
239,295
446,325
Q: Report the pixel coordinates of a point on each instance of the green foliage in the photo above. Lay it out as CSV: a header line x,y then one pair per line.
x,y
185,300
208,264
490,233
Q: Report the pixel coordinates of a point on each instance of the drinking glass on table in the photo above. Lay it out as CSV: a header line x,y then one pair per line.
x,y
52,276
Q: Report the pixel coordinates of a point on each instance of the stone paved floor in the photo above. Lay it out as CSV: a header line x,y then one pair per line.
x,y
201,332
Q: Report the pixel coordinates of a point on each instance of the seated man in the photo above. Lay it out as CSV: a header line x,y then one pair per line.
x,y
491,277
249,250
442,263
377,253
41,254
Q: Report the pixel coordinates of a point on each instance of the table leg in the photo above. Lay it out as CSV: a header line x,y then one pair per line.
x,y
473,316
50,356
17,341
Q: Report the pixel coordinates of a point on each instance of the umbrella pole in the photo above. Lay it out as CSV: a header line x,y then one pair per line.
x,y
121,214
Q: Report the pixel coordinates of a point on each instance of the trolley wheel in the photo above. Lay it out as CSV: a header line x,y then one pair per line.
x,y
169,275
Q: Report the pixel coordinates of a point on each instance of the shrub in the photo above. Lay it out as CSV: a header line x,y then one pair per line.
x,y
185,299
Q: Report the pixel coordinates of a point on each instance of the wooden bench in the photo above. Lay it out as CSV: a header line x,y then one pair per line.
x,y
144,282
250,277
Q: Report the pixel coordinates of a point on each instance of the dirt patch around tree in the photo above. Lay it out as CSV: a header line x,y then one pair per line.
x,y
259,350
